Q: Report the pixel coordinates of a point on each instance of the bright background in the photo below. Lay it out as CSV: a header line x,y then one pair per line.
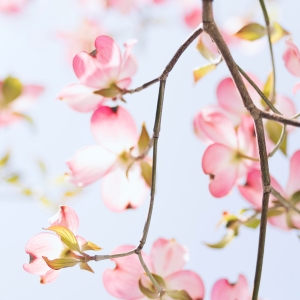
x,y
184,208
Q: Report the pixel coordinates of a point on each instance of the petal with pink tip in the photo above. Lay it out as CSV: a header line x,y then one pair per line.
x,y
88,73
220,163
168,257
120,192
50,276
89,164
122,282
217,127
293,185
193,17
42,244
81,97
296,88
222,289
108,56
124,83
280,222
291,58
67,217
114,129
129,64
188,281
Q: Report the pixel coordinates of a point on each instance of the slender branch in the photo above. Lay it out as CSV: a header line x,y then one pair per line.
x,y
104,257
142,87
279,119
279,142
283,201
267,21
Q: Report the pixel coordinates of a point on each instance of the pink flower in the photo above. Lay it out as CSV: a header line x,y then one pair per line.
x,y
252,192
49,246
193,16
16,98
12,6
167,259
101,73
223,290
115,131
225,160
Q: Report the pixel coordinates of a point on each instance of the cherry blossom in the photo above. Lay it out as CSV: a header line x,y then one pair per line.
x,y
16,98
50,246
227,158
102,73
12,6
115,131
167,259
252,192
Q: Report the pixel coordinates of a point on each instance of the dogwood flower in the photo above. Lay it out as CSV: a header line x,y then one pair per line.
x,y
49,252
102,74
166,260
12,6
115,131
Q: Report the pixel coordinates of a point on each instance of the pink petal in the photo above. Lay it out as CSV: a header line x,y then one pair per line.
x,y
217,127
293,185
193,17
296,88
50,276
119,192
122,282
89,164
280,222
124,83
67,217
114,129
88,73
108,56
219,162
81,98
223,290
129,64
291,58
168,257
42,244
81,240
188,281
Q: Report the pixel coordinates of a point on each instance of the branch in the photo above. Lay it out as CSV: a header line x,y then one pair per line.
x,y
283,201
279,118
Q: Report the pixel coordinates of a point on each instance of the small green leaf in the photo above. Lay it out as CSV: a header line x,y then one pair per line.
x,y
205,52
85,266
25,117
57,264
268,87
251,32
4,160
151,294
202,71
11,89
144,139
146,172
252,223
296,197
159,280
90,246
67,237
274,131
274,212
111,92
277,32
179,295
228,237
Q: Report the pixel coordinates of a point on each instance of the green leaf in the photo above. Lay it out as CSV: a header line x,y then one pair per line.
x,y
268,87
251,32
11,89
274,212
296,197
146,172
67,237
25,117
202,71
159,280
228,237
90,246
252,223
144,139
205,52
151,294
111,92
85,266
57,264
4,160
274,131
277,32
179,295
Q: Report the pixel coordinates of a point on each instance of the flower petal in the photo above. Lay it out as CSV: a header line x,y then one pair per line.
x,y
89,164
122,282
168,257
129,64
67,217
81,98
219,162
114,129
222,289
50,276
291,58
188,281
293,185
193,17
